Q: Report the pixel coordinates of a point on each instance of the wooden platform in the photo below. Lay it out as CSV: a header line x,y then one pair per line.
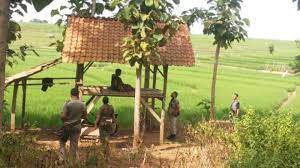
x,y
106,91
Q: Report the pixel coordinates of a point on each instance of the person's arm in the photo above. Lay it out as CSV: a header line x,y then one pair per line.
x,y
113,114
177,110
98,118
63,114
84,114
237,109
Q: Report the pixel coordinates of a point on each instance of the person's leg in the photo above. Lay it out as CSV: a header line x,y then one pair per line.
x,y
62,150
105,142
74,138
174,126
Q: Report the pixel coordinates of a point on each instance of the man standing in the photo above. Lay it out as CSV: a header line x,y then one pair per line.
x,y
73,111
235,105
174,112
104,121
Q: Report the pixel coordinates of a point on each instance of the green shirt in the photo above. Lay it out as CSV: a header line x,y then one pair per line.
x,y
74,111
106,111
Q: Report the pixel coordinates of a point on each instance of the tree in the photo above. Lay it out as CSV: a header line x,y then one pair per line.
x,y
297,42
10,31
4,10
271,48
152,24
296,64
222,20
82,8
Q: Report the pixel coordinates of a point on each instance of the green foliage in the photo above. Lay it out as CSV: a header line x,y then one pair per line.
x,y
297,42
222,19
14,34
266,139
82,8
204,105
21,150
296,64
152,25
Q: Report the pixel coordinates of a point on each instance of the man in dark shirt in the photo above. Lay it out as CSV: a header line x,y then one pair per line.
x,y
104,121
117,83
235,105
73,111
174,112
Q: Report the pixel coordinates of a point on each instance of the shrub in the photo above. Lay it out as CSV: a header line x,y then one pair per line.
x,y
266,139
20,150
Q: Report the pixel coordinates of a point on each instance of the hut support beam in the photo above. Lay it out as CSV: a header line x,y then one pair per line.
x,y
92,103
146,86
79,78
154,87
136,129
151,110
24,89
13,108
163,112
162,73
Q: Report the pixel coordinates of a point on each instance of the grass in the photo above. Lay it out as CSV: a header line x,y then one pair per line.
x,y
257,89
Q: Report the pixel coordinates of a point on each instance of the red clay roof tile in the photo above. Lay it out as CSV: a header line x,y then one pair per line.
x,y
100,40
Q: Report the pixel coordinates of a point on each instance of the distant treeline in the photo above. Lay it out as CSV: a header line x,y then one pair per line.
x,y
36,21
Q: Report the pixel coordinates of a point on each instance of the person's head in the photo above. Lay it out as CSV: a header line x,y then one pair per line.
x,y
235,96
105,100
118,72
74,92
174,94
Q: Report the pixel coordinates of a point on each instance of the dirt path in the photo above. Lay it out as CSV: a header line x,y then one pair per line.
x,y
171,154
290,98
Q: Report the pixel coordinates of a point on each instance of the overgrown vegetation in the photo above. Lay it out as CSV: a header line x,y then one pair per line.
x,y
22,151
266,139
258,139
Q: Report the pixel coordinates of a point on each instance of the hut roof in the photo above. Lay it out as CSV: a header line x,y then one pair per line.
x,y
100,40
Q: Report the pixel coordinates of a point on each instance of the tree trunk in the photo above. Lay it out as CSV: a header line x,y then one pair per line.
x,y
4,10
213,84
137,99
93,8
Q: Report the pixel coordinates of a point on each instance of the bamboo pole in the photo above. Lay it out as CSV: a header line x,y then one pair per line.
x,y
24,82
146,86
79,78
93,8
155,68
136,129
13,108
163,112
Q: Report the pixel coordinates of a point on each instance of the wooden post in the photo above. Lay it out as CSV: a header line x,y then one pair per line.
x,y
24,82
137,99
146,86
155,68
79,78
163,112
13,108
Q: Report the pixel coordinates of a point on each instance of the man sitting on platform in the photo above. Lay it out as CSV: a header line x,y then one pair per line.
x,y
117,83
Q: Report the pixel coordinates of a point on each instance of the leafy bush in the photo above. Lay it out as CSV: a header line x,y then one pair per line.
x,y
20,150
266,139
296,64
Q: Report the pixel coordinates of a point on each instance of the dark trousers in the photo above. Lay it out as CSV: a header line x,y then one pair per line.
x,y
72,134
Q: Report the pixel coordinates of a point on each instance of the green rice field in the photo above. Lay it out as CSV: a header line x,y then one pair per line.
x,y
239,72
